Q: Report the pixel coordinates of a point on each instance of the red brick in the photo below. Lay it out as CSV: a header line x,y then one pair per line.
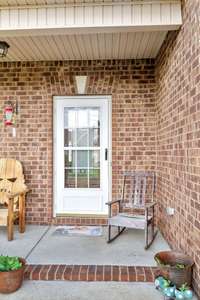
x,y
132,273
92,273
68,273
27,271
60,272
115,273
51,275
84,273
35,275
43,275
76,273
140,275
107,273
124,275
99,273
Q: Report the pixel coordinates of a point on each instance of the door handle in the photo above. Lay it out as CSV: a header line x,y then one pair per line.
x,y
106,154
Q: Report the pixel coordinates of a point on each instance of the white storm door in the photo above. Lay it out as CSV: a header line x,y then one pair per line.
x,y
81,155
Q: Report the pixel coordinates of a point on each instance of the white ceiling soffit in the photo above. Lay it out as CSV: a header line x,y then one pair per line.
x,y
85,47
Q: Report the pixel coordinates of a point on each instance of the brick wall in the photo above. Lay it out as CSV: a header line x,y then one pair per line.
x,y
33,84
178,142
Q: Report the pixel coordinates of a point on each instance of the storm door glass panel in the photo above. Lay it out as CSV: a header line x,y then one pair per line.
x,y
82,178
82,137
69,137
94,157
70,158
94,179
70,178
94,164
82,147
82,159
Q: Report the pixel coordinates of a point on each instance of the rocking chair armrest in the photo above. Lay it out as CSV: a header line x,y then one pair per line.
x,y
147,206
113,202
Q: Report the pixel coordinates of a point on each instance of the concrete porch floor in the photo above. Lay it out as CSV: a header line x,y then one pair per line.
x,y
40,290
39,246
51,290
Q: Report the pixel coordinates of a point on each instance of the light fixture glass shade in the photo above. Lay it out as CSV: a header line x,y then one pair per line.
x,y
81,82
3,48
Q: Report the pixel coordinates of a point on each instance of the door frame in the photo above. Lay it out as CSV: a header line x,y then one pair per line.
x,y
57,98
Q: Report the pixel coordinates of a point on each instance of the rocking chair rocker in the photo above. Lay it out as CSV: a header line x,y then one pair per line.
x,y
137,196
12,195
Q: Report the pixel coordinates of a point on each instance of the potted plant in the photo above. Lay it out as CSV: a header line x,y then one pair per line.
x,y
184,292
11,273
175,266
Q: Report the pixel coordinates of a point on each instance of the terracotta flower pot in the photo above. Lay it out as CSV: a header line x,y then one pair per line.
x,y
169,269
11,281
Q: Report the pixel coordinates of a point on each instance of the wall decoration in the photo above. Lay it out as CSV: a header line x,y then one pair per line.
x,y
10,116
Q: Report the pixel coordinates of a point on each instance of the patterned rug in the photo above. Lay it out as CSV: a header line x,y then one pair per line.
x,y
78,231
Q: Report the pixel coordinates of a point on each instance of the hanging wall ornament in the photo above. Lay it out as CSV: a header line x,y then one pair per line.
x,y
9,115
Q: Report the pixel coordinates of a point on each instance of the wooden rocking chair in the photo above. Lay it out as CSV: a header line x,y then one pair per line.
x,y
137,196
12,195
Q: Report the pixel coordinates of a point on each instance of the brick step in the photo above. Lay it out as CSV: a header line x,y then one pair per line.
x,y
91,273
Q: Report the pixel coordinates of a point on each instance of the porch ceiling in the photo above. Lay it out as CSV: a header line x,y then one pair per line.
x,y
85,47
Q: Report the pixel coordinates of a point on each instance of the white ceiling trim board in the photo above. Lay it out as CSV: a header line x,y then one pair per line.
x,y
72,19
9,4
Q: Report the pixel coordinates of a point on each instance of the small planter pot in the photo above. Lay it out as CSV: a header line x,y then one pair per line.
x,y
11,281
169,269
179,295
161,283
188,294
169,291
183,295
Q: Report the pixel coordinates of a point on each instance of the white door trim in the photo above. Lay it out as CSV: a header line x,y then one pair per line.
x,y
57,98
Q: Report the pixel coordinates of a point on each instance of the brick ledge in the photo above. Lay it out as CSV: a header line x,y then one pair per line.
x,y
91,273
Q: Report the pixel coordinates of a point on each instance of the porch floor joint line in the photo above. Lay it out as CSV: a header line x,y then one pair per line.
x,y
37,243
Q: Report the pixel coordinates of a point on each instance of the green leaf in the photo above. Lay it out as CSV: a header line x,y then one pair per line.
x,y
2,267
180,266
184,287
8,263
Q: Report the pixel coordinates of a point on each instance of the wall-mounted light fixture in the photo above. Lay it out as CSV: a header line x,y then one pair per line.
x,y
81,82
3,48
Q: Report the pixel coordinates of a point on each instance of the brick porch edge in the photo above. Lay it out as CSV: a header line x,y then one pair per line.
x,y
90,273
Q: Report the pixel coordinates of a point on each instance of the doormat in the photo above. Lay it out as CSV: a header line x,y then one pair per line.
x,y
78,231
